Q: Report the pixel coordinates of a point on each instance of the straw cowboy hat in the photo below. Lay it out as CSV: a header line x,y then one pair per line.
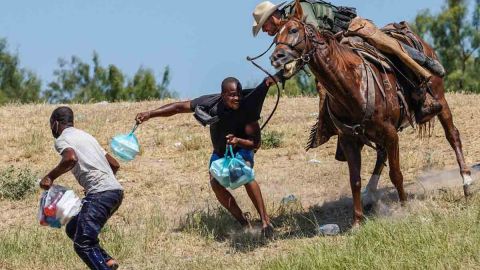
x,y
261,13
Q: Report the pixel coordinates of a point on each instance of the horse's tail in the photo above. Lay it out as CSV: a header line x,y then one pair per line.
x,y
425,130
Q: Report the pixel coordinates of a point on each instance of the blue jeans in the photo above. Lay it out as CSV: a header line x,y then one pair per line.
x,y
84,228
246,154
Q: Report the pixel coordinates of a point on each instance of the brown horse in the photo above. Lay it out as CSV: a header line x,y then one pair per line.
x,y
342,72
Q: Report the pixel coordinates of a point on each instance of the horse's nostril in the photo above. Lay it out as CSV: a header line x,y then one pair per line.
x,y
277,56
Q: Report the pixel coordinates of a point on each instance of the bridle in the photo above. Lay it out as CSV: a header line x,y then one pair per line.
x,y
305,58
308,37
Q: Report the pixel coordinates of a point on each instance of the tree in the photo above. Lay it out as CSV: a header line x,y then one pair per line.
x,y
77,81
456,38
299,85
16,84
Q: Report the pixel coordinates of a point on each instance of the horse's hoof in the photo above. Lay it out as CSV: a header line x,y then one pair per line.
x,y
355,226
369,198
470,189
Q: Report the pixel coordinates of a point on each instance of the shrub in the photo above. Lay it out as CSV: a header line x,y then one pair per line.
x,y
271,139
16,183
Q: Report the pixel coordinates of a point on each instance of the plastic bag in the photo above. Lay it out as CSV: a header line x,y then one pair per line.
x,y
58,206
125,146
231,171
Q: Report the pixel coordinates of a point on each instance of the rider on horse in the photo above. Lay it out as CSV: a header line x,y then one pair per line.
x,y
326,16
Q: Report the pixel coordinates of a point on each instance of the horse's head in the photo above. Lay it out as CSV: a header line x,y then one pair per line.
x,y
291,44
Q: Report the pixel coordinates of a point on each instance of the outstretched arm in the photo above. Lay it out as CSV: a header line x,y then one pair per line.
x,y
69,159
165,111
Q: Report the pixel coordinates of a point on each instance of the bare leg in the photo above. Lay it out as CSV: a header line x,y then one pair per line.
x,y
255,194
369,195
352,150
226,199
453,137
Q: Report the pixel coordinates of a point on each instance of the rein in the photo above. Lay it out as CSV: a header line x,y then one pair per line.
x,y
252,60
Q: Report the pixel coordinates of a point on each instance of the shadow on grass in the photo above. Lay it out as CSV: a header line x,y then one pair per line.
x,y
291,220
217,224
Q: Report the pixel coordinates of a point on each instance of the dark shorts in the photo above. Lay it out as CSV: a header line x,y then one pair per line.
x,y
246,154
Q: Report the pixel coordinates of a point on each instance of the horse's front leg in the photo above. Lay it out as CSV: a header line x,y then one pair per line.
x,y
453,137
393,153
369,194
352,149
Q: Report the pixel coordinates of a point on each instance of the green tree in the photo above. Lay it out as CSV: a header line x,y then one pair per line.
x,y
455,35
299,85
77,81
16,83
144,86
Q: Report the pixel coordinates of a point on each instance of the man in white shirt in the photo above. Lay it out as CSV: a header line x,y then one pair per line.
x,y
95,171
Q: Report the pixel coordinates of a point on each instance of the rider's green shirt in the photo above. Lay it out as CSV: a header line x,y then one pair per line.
x,y
323,15
317,13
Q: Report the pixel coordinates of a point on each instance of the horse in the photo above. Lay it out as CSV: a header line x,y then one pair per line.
x,y
363,113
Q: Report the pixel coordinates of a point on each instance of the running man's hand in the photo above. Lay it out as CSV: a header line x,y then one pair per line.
x,y
278,78
142,117
46,182
232,140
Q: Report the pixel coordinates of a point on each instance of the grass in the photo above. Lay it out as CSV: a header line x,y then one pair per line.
x,y
271,139
425,240
170,218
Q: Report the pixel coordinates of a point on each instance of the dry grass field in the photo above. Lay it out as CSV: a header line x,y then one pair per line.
x,y
170,218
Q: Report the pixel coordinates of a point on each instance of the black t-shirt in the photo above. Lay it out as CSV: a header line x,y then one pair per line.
x,y
231,121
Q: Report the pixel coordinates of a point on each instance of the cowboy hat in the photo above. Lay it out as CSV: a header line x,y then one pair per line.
x,y
261,13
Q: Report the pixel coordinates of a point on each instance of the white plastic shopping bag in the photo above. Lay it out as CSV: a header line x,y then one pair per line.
x,y
58,206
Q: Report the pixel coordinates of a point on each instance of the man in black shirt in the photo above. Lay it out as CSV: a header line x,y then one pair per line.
x,y
233,118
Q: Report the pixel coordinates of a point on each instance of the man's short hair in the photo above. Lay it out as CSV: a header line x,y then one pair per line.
x,y
63,114
231,80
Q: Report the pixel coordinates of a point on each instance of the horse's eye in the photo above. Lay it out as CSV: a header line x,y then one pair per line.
x,y
293,31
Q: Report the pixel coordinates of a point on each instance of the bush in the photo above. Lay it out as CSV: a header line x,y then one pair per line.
x,y
16,183
271,139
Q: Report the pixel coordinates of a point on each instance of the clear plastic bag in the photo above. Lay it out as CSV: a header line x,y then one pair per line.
x,y
231,171
58,206
125,146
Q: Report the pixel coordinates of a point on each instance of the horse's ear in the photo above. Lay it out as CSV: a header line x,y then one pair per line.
x,y
298,10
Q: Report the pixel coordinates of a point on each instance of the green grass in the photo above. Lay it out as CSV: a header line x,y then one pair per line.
x,y
428,240
272,139
35,247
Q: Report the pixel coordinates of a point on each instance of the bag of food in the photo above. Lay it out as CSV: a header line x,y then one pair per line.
x,y
125,146
58,206
231,171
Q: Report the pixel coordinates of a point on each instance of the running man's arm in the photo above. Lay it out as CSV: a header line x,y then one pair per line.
x,y
165,111
69,159
113,163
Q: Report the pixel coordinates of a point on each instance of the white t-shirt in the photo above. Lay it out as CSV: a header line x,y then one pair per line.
x,y
92,170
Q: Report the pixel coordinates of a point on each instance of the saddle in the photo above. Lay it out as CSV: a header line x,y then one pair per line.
x,y
326,127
